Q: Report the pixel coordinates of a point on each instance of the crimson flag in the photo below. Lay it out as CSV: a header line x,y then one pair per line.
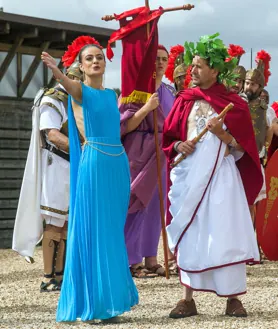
x,y
139,52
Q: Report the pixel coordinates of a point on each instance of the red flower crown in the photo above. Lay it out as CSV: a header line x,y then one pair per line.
x,y
75,47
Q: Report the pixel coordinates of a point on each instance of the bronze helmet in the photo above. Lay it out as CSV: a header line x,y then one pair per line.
x,y
179,71
74,71
256,76
240,71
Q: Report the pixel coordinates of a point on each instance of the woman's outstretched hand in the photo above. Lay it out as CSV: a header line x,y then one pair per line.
x,y
48,60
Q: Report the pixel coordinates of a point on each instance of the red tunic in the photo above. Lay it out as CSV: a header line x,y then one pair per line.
x,y
238,122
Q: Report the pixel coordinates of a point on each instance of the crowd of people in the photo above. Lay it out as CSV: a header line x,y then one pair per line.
x,y
90,169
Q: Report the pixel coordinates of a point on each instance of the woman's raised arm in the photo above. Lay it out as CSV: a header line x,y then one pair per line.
x,y
72,87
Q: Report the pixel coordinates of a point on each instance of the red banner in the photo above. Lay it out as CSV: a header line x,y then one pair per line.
x,y
139,52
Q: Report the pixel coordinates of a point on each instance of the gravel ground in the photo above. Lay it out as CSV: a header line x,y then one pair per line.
x,y
23,306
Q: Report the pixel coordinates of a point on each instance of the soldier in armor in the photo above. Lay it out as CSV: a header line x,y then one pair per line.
x,y
271,115
265,96
239,86
55,180
48,161
177,72
179,76
236,51
254,83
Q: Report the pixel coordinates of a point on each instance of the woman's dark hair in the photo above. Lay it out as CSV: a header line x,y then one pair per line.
x,y
88,46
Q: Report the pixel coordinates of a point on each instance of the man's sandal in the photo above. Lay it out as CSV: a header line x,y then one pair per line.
x,y
157,269
184,309
141,273
235,308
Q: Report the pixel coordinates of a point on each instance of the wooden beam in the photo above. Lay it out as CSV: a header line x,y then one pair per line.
x,y
5,47
97,32
19,71
32,69
9,57
58,36
53,81
26,33
5,28
18,42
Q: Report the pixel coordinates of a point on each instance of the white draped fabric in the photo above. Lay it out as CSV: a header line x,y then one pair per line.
x,y
211,229
45,187
28,227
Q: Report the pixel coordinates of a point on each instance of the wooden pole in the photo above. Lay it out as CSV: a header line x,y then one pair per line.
x,y
165,10
159,179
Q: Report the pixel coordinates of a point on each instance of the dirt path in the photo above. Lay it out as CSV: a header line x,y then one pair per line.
x,y
23,306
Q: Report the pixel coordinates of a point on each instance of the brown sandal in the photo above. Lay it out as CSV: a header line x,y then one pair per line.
x,y
235,308
157,269
141,273
184,309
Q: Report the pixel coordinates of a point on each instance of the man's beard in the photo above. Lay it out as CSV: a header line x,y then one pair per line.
x,y
251,96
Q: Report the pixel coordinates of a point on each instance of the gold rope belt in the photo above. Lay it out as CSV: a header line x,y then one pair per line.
x,y
89,143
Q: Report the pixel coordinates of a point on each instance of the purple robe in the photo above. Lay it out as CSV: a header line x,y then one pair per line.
x,y
143,224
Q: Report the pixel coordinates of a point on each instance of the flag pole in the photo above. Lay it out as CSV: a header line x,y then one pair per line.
x,y
159,178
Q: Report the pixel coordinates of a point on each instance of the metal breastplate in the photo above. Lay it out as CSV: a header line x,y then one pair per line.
x,y
200,113
59,95
258,115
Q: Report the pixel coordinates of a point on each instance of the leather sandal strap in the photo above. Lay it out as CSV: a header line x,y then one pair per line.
x,y
141,273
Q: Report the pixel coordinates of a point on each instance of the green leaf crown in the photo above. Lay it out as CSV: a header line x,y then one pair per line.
x,y
212,49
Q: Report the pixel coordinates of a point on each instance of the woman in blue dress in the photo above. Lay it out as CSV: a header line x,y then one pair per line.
x,y
97,282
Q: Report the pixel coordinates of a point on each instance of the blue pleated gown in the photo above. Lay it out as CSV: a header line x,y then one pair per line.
x,y
97,282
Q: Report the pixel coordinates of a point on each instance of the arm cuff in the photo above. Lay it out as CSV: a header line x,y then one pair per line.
x,y
176,146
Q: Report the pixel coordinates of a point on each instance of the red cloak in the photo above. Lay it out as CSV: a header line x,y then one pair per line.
x,y
238,122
